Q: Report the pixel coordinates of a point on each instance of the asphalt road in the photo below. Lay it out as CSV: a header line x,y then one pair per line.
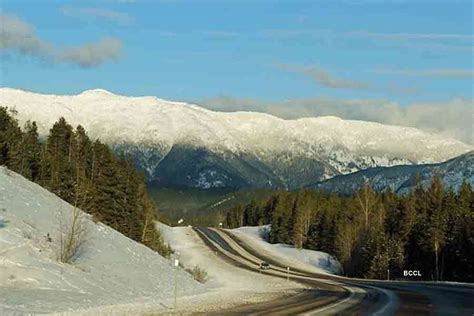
x,y
334,295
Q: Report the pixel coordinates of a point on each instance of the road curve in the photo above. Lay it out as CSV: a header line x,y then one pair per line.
x,y
327,297
412,298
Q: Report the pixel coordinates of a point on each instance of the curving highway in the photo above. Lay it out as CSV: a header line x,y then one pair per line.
x,y
335,295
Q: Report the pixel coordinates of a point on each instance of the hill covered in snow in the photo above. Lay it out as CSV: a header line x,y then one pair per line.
x,y
183,144
305,259
403,179
110,269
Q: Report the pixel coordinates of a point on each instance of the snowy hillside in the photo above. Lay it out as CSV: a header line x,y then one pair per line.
x,y
184,144
401,179
111,269
308,260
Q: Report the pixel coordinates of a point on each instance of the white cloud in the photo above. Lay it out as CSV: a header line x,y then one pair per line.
x,y
16,34
395,89
20,37
93,54
433,73
453,118
324,77
413,36
221,34
279,34
215,35
167,34
431,42
100,13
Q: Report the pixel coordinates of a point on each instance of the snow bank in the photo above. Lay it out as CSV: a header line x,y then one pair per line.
x,y
111,269
192,251
305,259
228,285
222,274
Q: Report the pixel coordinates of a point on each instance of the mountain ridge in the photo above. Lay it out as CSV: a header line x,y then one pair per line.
x,y
402,179
237,148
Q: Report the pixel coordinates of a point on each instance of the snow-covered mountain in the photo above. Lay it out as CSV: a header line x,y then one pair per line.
x,y
183,144
402,179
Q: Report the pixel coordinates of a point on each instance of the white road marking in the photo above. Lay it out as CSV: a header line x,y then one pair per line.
x,y
335,304
392,304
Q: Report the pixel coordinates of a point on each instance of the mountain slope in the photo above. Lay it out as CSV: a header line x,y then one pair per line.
x,y
111,268
184,144
402,179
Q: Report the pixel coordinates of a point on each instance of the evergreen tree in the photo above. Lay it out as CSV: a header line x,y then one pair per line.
x,y
31,149
459,254
435,228
84,174
10,139
58,174
297,225
429,230
25,151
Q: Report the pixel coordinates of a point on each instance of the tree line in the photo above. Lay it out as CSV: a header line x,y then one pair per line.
x,y
83,172
431,230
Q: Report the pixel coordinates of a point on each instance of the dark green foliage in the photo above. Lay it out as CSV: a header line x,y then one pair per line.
x,y
10,139
24,153
429,230
201,207
83,173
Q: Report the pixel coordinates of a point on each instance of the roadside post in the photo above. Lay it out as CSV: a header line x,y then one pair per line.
x,y
176,265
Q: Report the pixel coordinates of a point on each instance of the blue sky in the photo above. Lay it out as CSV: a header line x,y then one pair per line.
x,y
402,52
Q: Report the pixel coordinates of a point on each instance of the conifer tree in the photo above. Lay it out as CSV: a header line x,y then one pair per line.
x,y
297,224
436,227
28,158
10,139
431,229
85,174
58,152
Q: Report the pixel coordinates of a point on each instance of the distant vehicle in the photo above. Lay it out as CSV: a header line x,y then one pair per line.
x,y
264,266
